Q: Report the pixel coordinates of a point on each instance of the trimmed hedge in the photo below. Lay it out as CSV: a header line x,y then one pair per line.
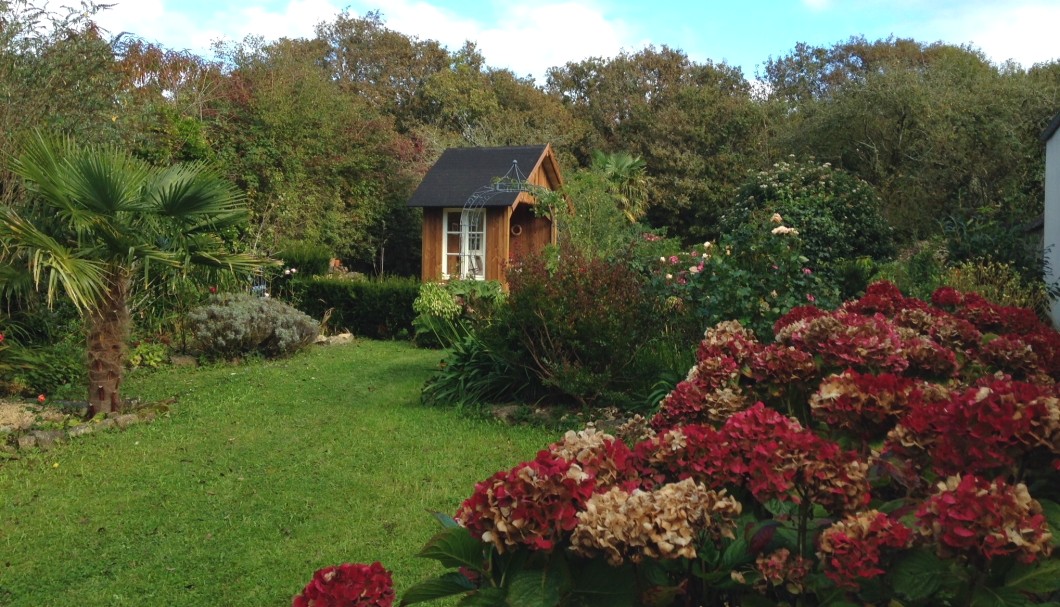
x,y
380,309
309,258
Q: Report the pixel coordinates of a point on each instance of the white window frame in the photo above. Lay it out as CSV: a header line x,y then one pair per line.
x,y
466,253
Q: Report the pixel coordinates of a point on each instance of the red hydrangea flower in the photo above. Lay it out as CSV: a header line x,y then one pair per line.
x,y
853,548
690,451
947,297
534,504
985,429
1045,342
348,585
1012,355
774,457
795,315
844,339
862,404
603,456
973,516
782,365
929,359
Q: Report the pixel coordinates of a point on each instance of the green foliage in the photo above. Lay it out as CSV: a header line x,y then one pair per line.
x,y
753,276
695,125
579,325
473,373
373,308
998,282
239,324
917,271
538,580
837,215
590,219
309,258
985,234
446,312
60,366
148,355
938,129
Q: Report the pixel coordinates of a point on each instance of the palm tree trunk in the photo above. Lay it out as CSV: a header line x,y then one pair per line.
x,y
108,328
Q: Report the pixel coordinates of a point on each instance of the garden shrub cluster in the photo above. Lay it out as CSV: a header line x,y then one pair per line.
x,y
234,325
837,214
753,278
308,258
580,325
892,451
372,308
447,312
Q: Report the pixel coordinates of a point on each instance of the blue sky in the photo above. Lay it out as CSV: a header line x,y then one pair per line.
x,y
529,37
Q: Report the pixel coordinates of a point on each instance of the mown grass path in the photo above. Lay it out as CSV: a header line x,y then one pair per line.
x,y
261,474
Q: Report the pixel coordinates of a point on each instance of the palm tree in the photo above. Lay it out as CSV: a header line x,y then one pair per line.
x,y
626,180
97,217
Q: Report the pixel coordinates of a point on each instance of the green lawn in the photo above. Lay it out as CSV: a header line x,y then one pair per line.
x,y
261,474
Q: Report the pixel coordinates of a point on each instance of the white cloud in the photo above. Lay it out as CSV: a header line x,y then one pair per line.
x,y
164,21
525,38
1021,31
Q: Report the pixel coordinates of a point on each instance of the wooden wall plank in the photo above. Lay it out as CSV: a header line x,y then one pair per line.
x,y
432,245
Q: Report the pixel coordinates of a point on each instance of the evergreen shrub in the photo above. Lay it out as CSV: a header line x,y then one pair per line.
x,y
308,258
233,325
379,309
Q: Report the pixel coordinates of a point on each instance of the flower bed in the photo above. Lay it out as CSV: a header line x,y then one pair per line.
x,y
892,451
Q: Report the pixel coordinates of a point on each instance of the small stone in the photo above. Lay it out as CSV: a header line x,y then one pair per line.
x,y
124,421
46,439
323,341
81,430
27,441
183,360
107,423
340,339
147,416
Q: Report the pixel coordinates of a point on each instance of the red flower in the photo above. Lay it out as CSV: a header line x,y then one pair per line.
x,y
947,297
533,504
796,314
213,289
864,404
41,398
974,516
983,429
348,585
852,549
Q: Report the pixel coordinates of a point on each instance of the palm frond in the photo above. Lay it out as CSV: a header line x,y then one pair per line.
x,y
106,181
192,192
83,279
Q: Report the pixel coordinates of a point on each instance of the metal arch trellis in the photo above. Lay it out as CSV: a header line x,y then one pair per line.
x,y
513,181
470,256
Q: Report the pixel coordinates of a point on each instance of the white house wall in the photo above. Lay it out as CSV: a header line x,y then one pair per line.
x,y
1052,216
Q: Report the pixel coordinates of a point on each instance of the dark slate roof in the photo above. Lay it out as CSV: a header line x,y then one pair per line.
x,y
460,172
1049,130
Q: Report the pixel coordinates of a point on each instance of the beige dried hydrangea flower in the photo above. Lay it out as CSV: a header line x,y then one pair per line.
x,y
665,523
589,448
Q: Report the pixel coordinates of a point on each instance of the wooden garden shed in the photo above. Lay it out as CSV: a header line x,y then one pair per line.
x,y
478,210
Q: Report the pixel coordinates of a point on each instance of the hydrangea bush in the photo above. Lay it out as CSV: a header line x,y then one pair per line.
x,y
890,452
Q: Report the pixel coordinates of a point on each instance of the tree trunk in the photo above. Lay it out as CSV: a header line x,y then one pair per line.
x,y
108,328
